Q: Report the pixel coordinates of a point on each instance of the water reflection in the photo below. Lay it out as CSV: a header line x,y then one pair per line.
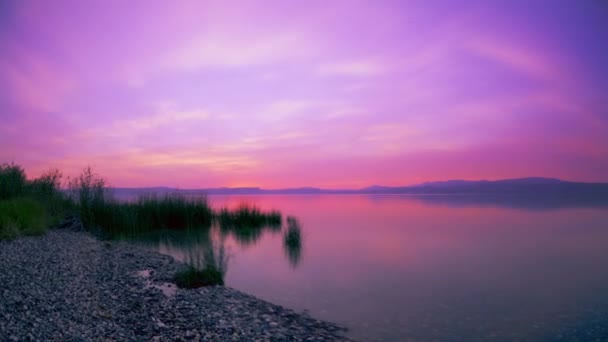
x,y
247,223
247,235
402,267
514,201
210,255
207,247
292,241
436,267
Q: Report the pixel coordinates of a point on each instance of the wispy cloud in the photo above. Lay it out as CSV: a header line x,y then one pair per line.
x,y
33,82
164,115
272,94
365,68
520,59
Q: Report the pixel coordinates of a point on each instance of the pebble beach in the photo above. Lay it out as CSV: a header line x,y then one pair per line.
x,y
69,285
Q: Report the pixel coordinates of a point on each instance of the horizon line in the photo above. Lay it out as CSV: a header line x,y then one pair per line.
x,y
254,187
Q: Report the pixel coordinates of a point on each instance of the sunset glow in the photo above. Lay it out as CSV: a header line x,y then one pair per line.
x,y
332,94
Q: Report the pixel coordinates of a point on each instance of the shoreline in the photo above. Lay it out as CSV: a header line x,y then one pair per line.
x,y
70,285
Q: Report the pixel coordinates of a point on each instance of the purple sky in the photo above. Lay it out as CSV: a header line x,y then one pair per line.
x,y
320,93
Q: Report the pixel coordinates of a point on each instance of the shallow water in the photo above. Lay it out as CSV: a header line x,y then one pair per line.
x,y
398,267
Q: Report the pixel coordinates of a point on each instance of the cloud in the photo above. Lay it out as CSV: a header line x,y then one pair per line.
x,y
519,58
225,51
283,109
363,68
33,82
166,114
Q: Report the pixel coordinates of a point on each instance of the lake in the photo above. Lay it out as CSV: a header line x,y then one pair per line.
x,y
399,267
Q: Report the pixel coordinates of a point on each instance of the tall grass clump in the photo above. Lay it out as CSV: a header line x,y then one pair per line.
x,y
247,223
293,234
292,241
247,216
174,212
89,195
99,211
149,213
204,270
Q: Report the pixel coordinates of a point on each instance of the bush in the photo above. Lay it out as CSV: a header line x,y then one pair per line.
x,y
29,207
12,181
47,190
22,216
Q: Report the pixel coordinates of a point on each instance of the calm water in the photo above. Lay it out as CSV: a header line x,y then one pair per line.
x,y
393,267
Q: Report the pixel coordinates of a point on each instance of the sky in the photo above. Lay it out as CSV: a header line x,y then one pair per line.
x,y
332,94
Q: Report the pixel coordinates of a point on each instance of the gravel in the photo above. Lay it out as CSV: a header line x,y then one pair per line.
x,y
68,285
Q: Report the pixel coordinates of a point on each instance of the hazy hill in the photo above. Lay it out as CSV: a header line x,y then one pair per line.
x,y
530,186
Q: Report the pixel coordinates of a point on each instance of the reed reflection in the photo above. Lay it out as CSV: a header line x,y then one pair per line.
x,y
206,248
292,241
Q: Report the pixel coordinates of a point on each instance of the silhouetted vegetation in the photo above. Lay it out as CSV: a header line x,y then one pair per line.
x,y
248,216
88,196
207,264
247,223
29,207
292,241
12,181
170,212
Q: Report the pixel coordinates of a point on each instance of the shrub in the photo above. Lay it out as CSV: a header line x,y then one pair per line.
x,y
22,216
47,190
12,181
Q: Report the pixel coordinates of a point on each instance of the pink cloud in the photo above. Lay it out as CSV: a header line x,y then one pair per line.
x,y
323,94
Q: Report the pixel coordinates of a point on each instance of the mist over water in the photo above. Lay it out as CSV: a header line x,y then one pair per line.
x,y
393,267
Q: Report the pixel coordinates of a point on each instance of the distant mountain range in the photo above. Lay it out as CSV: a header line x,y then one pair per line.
x,y
529,186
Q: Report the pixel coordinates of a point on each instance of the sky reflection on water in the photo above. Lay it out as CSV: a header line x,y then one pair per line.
x,y
393,267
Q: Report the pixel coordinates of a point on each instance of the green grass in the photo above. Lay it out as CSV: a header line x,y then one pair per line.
x,y
22,216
